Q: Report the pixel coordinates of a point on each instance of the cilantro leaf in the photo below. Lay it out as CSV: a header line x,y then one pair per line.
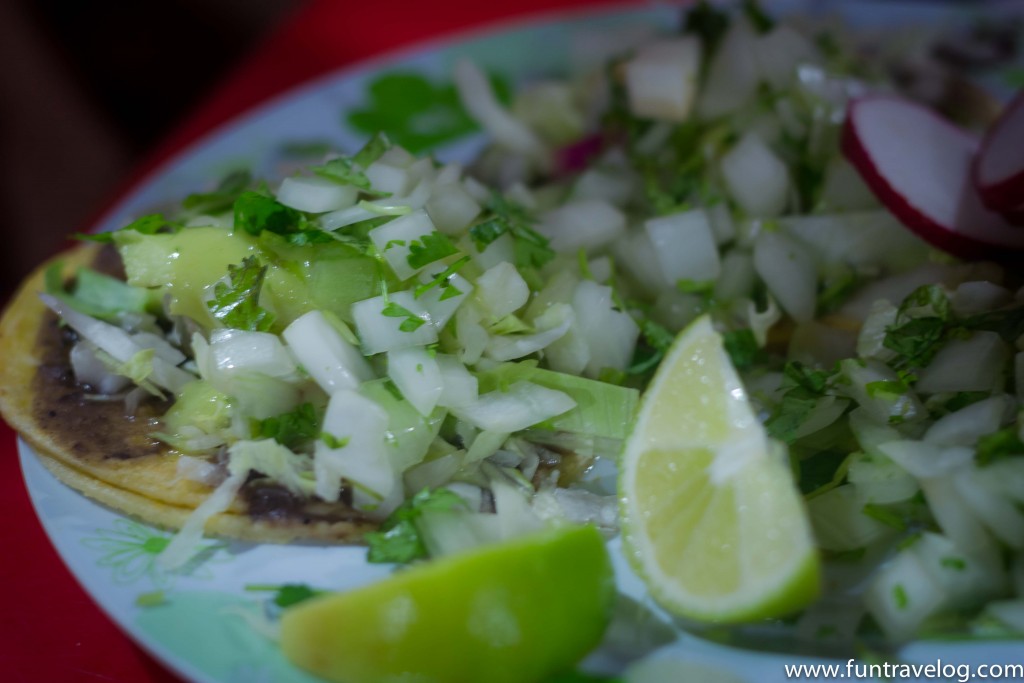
x,y
222,198
443,280
333,441
742,347
531,247
761,22
255,212
916,341
372,150
412,321
236,302
147,225
288,594
430,248
399,539
1007,322
289,429
658,339
999,445
343,170
805,386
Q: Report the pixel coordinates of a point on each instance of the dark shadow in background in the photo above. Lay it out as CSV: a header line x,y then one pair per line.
x,y
87,88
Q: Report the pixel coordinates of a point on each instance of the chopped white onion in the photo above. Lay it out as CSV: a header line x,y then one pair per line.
x,y
927,460
458,385
610,334
358,424
965,426
684,246
451,208
502,290
661,80
551,326
316,195
973,364
523,405
582,224
756,178
416,374
789,273
379,332
395,238
331,361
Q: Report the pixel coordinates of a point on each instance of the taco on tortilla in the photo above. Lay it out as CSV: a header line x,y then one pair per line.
x,y
297,363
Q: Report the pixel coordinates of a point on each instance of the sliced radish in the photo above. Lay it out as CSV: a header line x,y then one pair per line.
x,y
918,165
999,166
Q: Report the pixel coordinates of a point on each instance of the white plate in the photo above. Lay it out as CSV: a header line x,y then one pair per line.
x,y
202,631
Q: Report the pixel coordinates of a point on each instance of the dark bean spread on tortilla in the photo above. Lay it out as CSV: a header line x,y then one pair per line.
x,y
96,431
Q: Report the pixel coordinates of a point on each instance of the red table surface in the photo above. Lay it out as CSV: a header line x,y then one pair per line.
x,y
50,630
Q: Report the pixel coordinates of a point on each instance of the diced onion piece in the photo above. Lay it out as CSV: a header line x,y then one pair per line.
x,y
661,80
1010,612
479,100
995,511
394,238
316,195
160,346
451,208
551,326
502,290
417,375
472,337
756,178
611,185
789,273
722,224
863,239
779,52
515,516
871,338
973,364
959,522
386,177
826,410
343,217
610,334
971,298
331,361
879,480
927,460
732,77
118,344
684,246
89,369
902,595
501,250
237,351
638,258
379,332
458,386
359,425
965,426
523,405
966,581
582,224
839,521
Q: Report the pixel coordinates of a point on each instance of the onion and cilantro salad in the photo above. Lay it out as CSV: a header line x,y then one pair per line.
x,y
454,348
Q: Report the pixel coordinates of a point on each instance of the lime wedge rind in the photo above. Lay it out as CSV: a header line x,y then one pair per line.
x,y
747,556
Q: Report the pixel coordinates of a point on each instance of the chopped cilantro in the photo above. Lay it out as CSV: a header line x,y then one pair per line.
x,y
956,563
805,387
1007,322
899,595
443,280
147,225
221,199
236,302
742,347
885,516
398,539
255,212
151,599
695,287
372,150
531,248
999,445
288,594
334,441
343,170
916,341
430,248
412,321
962,399
289,429
657,339
887,389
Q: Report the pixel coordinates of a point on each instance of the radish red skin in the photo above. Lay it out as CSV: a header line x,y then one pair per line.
x,y
941,236
1005,194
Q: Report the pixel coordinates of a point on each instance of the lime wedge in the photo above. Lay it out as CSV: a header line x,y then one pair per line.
x,y
515,612
712,520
